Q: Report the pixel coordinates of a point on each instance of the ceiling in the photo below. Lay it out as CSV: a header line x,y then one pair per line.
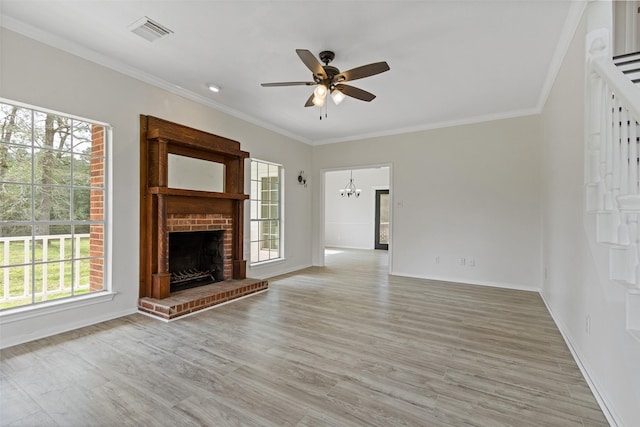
x,y
451,61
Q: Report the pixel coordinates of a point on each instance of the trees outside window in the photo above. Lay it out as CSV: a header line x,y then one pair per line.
x,y
52,206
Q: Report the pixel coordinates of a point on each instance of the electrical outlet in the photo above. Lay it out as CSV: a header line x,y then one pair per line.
x,y
472,262
587,325
438,259
463,261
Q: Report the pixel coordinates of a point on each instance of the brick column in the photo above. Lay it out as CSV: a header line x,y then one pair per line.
x,y
96,213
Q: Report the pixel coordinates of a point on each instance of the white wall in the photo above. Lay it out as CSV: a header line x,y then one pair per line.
x,y
577,286
463,192
349,221
34,73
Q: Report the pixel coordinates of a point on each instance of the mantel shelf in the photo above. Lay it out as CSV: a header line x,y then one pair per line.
x,y
194,193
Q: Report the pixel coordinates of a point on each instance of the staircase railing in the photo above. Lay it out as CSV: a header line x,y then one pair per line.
x,y
612,167
613,138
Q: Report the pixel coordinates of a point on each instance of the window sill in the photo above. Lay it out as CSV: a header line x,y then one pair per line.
x,y
268,262
43,309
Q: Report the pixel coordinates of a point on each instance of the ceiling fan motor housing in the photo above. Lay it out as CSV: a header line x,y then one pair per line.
x,y
331,71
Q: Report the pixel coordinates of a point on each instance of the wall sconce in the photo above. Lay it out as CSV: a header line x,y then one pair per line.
x,y
302,179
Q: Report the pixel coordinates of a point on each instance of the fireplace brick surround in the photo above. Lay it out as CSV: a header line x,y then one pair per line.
x,y
164,210
206,222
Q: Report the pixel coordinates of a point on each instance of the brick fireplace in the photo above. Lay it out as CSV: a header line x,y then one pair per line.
x,y
193,223
165,210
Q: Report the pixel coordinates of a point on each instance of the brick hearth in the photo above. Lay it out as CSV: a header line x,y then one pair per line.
x,y
191,300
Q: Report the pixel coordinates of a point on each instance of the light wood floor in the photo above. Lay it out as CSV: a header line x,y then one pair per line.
x,y
344,345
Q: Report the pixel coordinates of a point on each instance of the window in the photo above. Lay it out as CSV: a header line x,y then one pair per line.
x,y
266,211
52,206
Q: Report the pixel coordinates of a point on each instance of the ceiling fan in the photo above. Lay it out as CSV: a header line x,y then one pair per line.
x,y
329,80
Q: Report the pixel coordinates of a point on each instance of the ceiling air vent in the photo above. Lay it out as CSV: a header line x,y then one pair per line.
x,y
149,29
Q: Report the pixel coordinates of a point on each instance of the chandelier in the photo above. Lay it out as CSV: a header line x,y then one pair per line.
x,y
350,189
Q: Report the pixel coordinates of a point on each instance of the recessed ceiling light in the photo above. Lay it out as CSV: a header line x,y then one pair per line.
x,y
213,88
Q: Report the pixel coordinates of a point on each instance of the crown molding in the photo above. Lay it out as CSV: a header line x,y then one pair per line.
x,y
76,49
432,126
569,29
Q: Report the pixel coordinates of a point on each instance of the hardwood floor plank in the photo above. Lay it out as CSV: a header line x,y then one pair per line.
x,y
565,410
315,418
40,418
16,406
205,411
342,345
375,407
464,410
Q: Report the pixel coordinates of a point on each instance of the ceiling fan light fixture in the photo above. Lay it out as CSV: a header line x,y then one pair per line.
x,y
320,94
318,101
337,96
320,91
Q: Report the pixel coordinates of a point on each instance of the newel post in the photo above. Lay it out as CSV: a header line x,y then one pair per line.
x,y
598,155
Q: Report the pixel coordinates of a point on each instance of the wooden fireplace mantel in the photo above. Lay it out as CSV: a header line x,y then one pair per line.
x,y
158,139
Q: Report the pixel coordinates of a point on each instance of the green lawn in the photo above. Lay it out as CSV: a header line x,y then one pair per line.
x,y
47,273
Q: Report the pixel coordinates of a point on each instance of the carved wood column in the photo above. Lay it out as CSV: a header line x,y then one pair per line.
x,y
235,182
239,264
162,279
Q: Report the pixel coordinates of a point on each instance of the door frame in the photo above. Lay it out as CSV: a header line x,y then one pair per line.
x,y
376,242
317,251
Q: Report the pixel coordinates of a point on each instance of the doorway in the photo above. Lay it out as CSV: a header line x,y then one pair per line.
x,y
382,220
349,222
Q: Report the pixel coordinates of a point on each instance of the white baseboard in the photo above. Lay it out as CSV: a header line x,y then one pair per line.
x,y
56,329
280,272
609,414
364,248
465,281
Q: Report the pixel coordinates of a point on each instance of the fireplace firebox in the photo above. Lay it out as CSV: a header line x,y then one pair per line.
x,y
195,258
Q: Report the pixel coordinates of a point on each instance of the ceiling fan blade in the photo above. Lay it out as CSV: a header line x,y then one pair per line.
x,y
355,92
312,63
288,84
362,71
309,102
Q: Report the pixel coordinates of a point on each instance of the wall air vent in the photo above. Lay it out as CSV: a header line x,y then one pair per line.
x,y
149,29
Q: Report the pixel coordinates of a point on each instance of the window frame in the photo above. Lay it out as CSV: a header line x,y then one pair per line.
x,y
280,210
36,308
